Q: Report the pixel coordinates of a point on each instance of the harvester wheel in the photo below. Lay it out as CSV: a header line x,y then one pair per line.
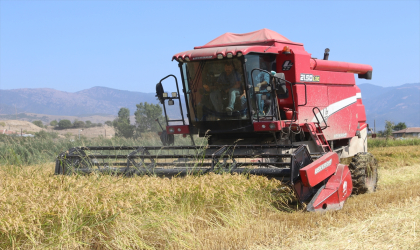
x,y
364,172
167,139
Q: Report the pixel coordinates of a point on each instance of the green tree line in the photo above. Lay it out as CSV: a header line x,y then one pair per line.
x,y
65,124
145,117
391,127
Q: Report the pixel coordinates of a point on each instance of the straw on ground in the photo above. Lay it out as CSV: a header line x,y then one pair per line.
x,y
40,210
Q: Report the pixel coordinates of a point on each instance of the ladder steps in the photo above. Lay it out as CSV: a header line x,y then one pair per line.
x,y
318,136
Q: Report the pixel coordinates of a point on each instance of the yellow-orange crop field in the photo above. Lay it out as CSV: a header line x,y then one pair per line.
x,y
39,210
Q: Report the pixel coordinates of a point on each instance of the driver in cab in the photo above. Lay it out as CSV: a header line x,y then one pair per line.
x,y
228,82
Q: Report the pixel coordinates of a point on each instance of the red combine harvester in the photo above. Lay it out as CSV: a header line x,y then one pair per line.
x,y
266,107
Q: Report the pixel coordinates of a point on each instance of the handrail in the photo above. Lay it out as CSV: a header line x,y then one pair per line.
x,y
178,97
306,94
319,112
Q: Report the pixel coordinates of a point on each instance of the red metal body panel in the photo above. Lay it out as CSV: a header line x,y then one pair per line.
x,y
178,129
328,93
318,96
319,170
302,192
335,192
342,112
337,93
360,107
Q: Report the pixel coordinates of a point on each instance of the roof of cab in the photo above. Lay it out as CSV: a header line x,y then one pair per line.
x,y
262,41
259,37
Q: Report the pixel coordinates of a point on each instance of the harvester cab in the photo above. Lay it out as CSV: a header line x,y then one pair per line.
x,y
266,107
261,86
225,97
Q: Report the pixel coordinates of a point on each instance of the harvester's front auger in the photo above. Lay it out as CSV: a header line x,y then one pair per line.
x,y
364,173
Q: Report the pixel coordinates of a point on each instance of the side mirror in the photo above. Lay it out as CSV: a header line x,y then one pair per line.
x,y
159,93
281,89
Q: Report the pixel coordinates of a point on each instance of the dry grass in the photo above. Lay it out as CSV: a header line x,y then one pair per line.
x,y
392,157
392,142
39,210
394,228
386,219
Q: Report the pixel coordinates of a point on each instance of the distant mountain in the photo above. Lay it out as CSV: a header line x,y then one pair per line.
x,y
395,104
96,100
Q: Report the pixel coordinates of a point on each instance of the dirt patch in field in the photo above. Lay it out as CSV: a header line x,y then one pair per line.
x,y
29,127
17,126
105,131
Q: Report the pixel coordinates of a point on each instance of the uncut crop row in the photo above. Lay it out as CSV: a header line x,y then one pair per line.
x,y
29,151
24,151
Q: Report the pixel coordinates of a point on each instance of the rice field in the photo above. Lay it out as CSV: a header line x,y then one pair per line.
x,y
382,142
41,211
24,151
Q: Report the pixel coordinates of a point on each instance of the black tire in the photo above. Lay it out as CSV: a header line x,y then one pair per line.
x,y
167,139
364,173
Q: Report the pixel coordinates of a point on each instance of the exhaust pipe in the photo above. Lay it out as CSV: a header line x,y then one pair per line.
x,y
326,53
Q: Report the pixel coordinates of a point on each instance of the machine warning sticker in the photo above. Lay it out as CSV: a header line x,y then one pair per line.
x,y
323,166
309,78
287,65
344,188
340,135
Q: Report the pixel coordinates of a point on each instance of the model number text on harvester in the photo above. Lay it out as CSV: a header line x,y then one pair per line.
x,y
309,78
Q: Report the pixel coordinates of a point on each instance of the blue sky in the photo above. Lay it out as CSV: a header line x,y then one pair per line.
x,y
128,45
